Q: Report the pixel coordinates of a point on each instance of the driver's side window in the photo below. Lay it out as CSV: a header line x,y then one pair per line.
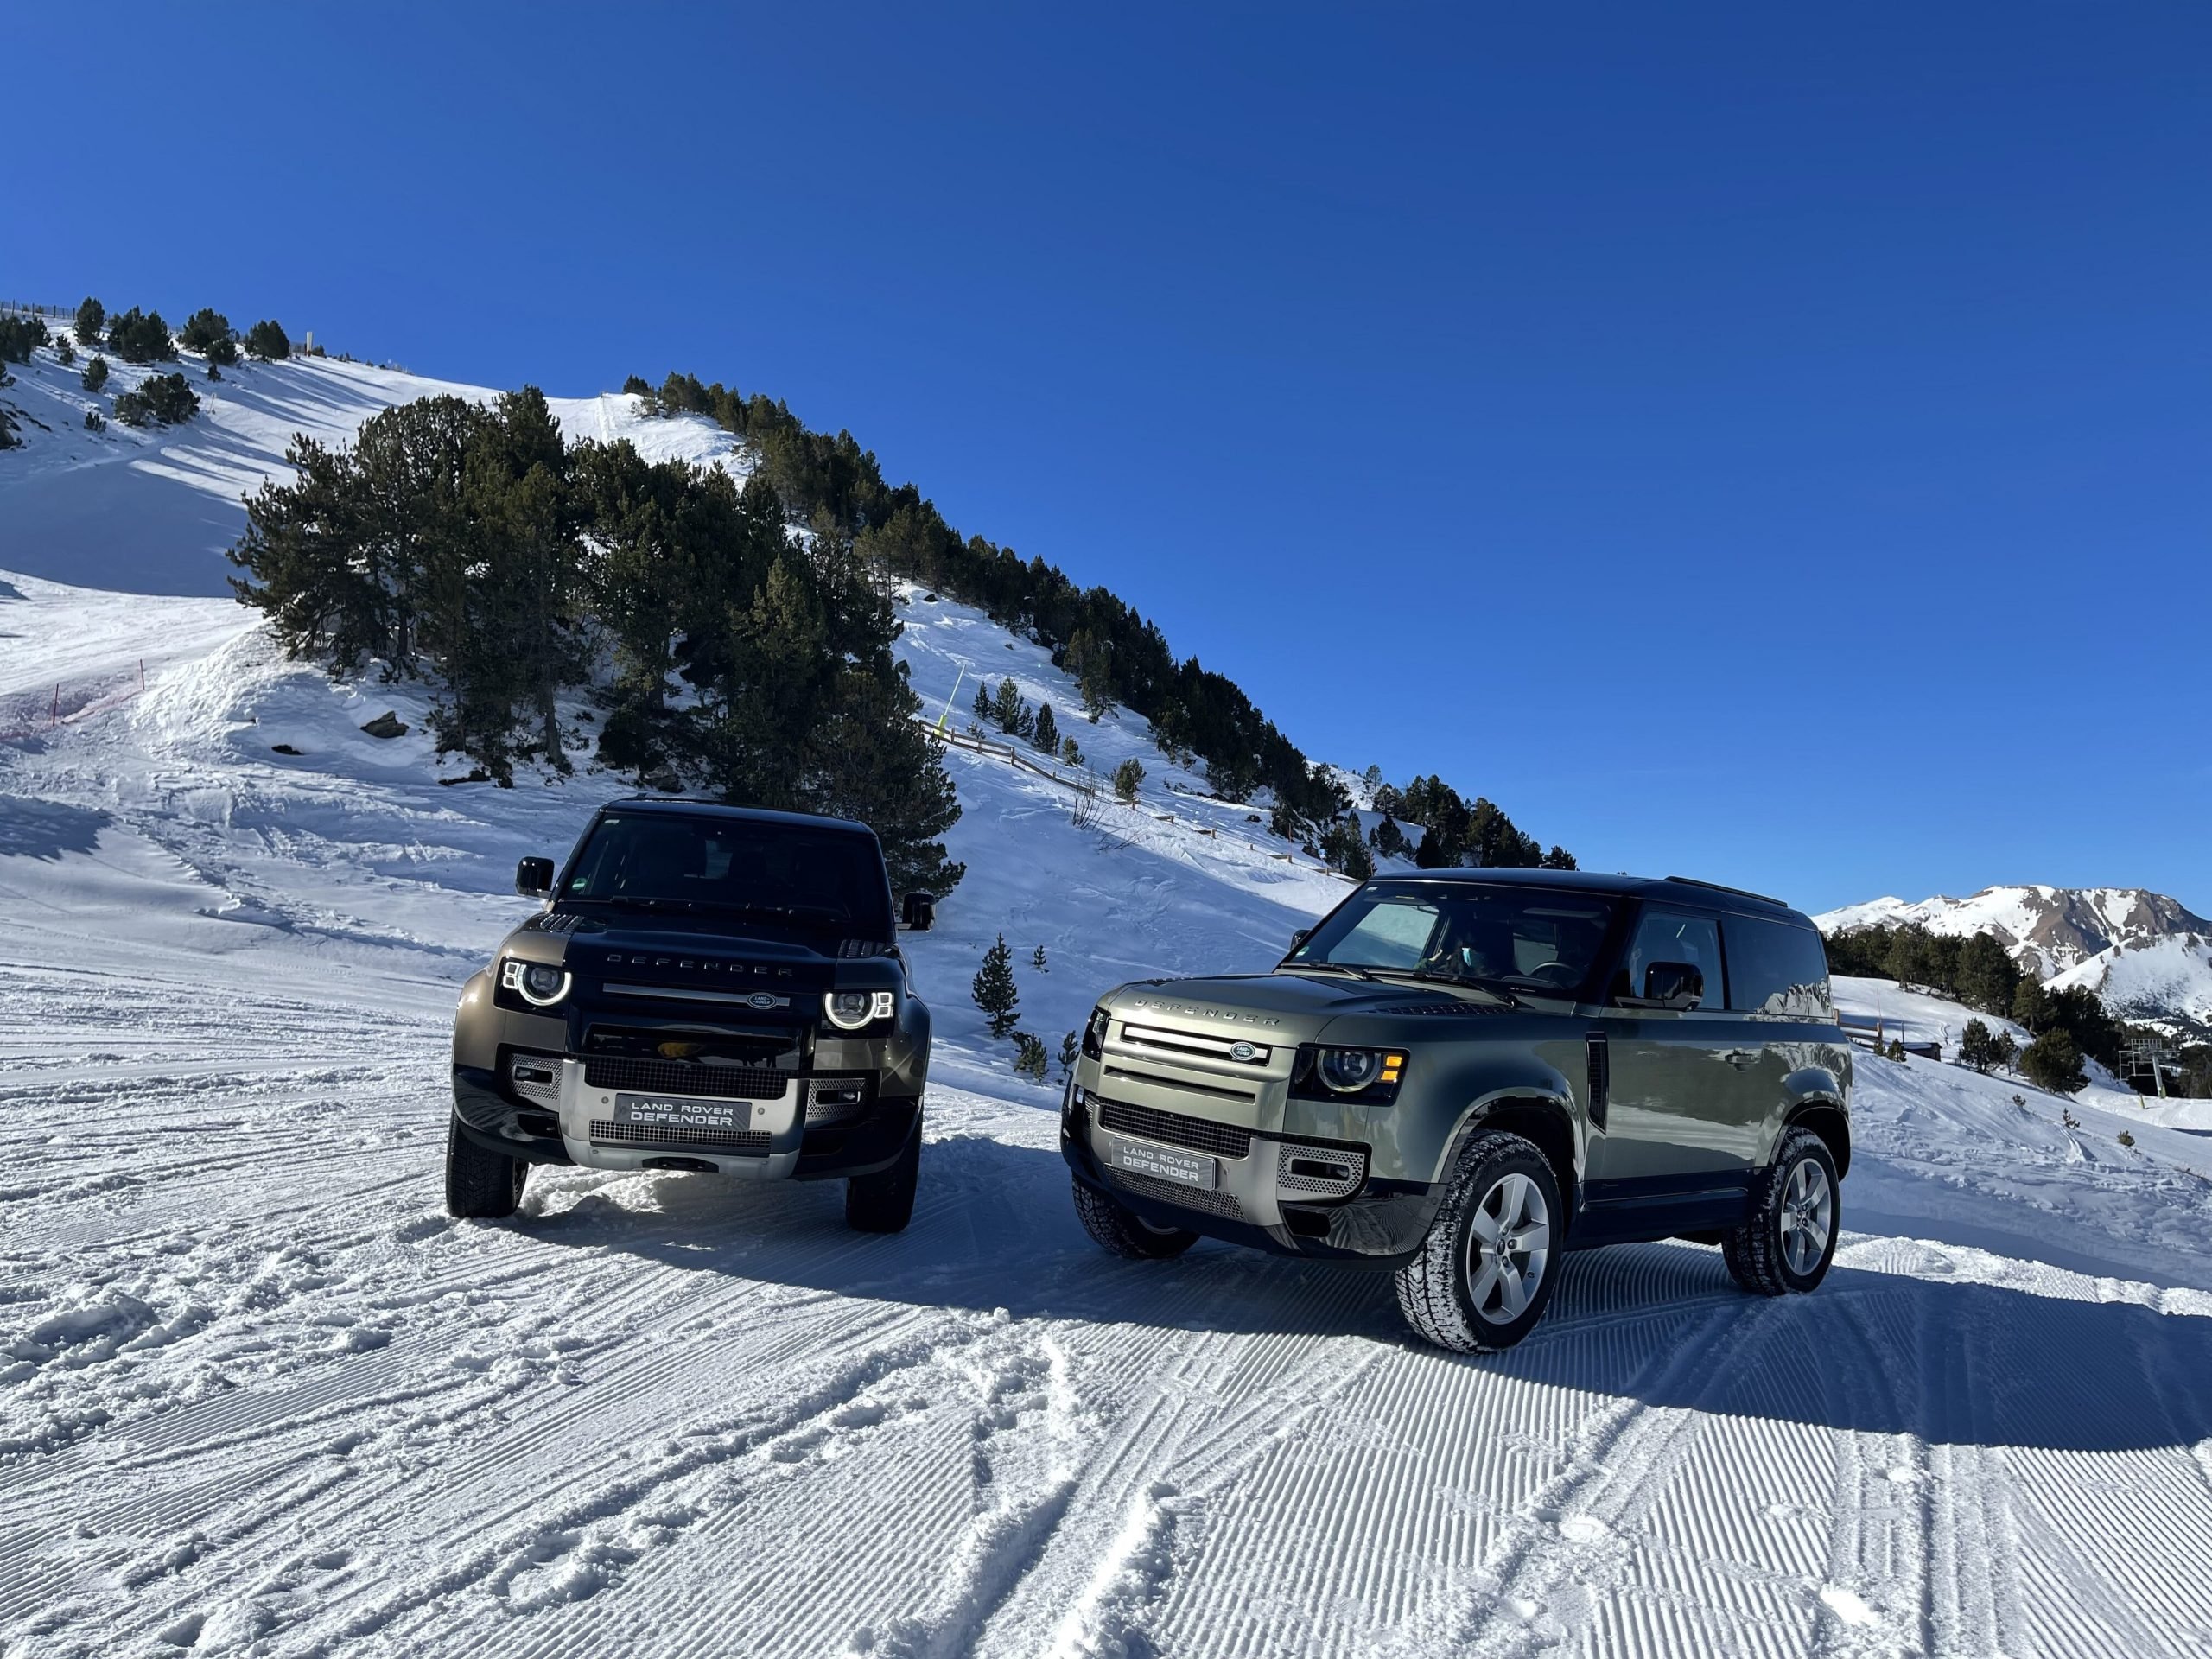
x,y
1673,935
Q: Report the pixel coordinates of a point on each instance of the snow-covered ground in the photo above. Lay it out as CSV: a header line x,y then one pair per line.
x,y
258,1395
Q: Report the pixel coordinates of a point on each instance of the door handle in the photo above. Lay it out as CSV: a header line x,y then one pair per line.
x,y
1740,1058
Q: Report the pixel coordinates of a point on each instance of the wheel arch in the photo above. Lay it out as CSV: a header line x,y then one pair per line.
x,y
1545,1119
1826,1119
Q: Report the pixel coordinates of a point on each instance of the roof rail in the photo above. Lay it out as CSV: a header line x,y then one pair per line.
x,y
1741,893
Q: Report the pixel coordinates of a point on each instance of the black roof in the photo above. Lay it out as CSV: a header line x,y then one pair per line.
x,y
676,807
1678,888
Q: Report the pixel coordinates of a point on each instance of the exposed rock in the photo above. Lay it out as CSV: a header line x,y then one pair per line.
x,y
387,724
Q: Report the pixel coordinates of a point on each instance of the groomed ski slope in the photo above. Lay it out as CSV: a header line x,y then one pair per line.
x,y
257,1394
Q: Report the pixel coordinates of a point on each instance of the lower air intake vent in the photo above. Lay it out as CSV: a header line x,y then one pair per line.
x,y
1190,1198
536,1079
604,1134
1306,1171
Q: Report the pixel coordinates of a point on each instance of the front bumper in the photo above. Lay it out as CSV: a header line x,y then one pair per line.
x,y
1376,1224
571,1122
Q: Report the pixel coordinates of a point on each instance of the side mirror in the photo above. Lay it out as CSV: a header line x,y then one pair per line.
x,y
534,878
918,912
1677,985
1299,939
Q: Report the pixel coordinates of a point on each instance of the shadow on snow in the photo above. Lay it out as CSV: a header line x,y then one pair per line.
x,y
1873,1352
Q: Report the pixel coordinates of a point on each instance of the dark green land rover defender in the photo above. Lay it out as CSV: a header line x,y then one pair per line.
x,y
1461,1074
705,988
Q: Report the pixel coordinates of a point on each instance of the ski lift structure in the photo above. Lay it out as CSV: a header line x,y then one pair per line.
x,y
2146,1058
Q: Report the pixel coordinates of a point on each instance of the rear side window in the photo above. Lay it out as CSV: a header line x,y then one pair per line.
x,y
1776,967
1672,935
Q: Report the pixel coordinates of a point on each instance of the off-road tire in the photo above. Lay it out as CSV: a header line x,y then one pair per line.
x,y
1754,1251
1434,1287
1121,1230
480,1185
884,1202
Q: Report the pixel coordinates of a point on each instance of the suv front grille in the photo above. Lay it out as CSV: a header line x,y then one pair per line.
x,y
1200,1134
752,1143
675,1077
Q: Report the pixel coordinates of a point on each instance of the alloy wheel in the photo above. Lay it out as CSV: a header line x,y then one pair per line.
x,y
1509,1248
1807,1216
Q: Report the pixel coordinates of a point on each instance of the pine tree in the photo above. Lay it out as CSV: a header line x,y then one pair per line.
x,y
985,708
1037,960
1070,752
159,400
2053,1061
95,375
1978,1047
63,353
2030,1006
995,990
1071,1051
1127,778
141,337
1047,735
267,340
1088,660
1346,849
1011,712
206,330
91,317
1029,1059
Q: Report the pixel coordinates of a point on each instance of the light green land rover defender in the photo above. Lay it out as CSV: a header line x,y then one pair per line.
x,y
1461,1074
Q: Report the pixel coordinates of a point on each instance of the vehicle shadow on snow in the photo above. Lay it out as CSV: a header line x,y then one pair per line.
x,y
1875,1352
47,830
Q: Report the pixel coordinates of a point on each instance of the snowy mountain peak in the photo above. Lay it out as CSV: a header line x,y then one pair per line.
x,y
2048,930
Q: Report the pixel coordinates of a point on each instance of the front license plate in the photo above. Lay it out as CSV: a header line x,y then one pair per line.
x,y
729,1117
1191,1168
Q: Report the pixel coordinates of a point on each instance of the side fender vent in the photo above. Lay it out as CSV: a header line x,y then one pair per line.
x,y
1601,1077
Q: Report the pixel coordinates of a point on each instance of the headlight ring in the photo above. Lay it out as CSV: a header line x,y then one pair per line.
x,y
857,1010
539,983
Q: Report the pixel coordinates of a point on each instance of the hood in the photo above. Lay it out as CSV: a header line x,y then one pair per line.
x,y
1282,1007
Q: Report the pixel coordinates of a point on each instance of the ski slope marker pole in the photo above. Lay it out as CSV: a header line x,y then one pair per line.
x,y
950,695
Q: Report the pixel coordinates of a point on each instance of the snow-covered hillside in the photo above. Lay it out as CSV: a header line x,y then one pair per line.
x,y
152,510
259,1396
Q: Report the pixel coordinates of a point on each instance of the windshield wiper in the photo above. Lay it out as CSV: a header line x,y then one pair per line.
x,y
1491,988
1352,969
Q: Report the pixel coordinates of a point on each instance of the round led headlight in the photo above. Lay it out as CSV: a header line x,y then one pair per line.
x,y
1348,1070
851,1010
540,984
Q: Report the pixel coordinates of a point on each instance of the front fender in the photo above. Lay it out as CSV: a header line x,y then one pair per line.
x,y
1449,1096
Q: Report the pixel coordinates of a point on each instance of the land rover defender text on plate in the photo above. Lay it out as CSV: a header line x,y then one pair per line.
x,y
706,988
1461,1074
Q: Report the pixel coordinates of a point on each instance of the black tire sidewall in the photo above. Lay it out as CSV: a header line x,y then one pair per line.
x,y
1475,1182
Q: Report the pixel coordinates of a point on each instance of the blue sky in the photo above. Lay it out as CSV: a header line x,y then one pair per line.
x,y
1742,442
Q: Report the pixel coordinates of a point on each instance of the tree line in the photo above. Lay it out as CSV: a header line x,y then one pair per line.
x,y
2067,1024
1114,654
724,653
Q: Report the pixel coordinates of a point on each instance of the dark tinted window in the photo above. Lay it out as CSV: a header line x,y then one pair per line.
x,y
1527,938
793,873
1672,935
1776,967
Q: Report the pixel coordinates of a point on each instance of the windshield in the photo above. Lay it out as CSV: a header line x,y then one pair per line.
x,y
784,871
1523,937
